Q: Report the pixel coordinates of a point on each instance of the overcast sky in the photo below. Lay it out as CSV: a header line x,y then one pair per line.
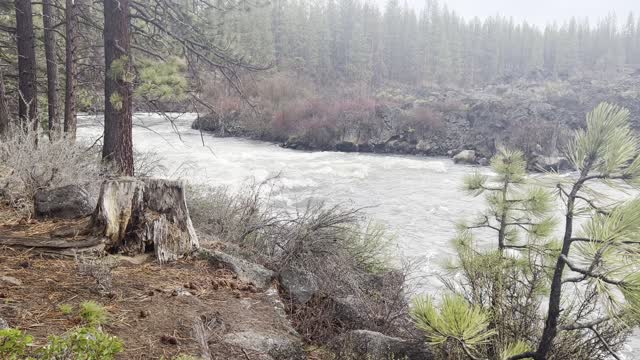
x,y
539,12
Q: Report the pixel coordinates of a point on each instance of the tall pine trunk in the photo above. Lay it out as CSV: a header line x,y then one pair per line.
x,y
118,143
27,103
4,109
71,22
52,67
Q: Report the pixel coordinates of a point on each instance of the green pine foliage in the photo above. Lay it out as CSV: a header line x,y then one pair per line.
x,y
589,276
93,313
490,282
455,320
162,81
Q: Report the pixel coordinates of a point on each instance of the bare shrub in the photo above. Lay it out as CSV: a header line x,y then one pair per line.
x,y
348,255
31,162
148,164
424,121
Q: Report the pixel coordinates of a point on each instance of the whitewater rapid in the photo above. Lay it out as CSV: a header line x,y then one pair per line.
x,y
419,199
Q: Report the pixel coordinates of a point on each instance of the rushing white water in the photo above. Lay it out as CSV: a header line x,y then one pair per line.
x,y
419,199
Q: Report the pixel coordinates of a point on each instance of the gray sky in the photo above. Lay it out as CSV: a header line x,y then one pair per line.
x,y
539,12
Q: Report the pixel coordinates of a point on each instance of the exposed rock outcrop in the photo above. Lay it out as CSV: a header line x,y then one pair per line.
x,y
365,344
351,311
299,285
279,347
346,146
247,271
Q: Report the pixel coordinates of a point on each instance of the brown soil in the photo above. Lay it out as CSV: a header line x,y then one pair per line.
x,y
149,305
152,308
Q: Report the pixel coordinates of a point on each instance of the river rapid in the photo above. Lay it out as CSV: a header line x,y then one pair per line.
x,y
419,199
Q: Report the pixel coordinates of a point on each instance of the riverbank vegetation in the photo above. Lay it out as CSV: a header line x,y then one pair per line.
x,y
344,261
496,307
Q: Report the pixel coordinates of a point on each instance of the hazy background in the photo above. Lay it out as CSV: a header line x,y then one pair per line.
x,y
539,12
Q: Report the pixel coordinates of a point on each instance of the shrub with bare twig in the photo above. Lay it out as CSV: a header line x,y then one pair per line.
x,y
30,162
349,257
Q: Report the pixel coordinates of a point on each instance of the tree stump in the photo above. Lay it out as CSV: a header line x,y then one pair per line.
x,y
137,216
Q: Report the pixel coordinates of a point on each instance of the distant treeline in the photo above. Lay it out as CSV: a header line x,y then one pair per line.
x,y
351,40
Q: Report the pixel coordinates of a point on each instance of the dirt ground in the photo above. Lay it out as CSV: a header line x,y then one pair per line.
x,y
152,308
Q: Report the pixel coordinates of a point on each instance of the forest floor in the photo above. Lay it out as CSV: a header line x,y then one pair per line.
x,y
153,308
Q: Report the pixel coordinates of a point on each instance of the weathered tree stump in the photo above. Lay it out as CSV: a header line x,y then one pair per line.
x,y
138,216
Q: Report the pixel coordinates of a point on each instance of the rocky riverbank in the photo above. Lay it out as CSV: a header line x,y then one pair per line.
x,y
534,116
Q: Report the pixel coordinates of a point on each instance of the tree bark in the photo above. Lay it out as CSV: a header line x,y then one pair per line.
x,y
139,216
52,67
4,109
71,21
555,296
27,98
118,142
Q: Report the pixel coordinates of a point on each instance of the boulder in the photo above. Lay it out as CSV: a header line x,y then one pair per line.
x,y
3,324
483,162
346,146
67,202
365,344
550,163
247,272
279,347
351,311
299,285
465,157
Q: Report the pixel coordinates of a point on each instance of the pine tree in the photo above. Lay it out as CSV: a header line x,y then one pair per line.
x,y
27,97
499,279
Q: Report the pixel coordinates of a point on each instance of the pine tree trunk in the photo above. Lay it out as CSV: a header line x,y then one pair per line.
x,y
118,143
52,67
4,110
139,216
71,21
27,103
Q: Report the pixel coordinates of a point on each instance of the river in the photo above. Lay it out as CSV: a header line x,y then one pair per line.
x,y
419,199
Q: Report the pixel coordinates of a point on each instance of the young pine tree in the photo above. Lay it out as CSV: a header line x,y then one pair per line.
x,y
600,261
496,288
589,277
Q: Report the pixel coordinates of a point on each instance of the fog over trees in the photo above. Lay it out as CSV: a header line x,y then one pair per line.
x,y
358,41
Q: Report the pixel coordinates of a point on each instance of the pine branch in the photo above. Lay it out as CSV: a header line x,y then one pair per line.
x,y
587,325
604,342
588,273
